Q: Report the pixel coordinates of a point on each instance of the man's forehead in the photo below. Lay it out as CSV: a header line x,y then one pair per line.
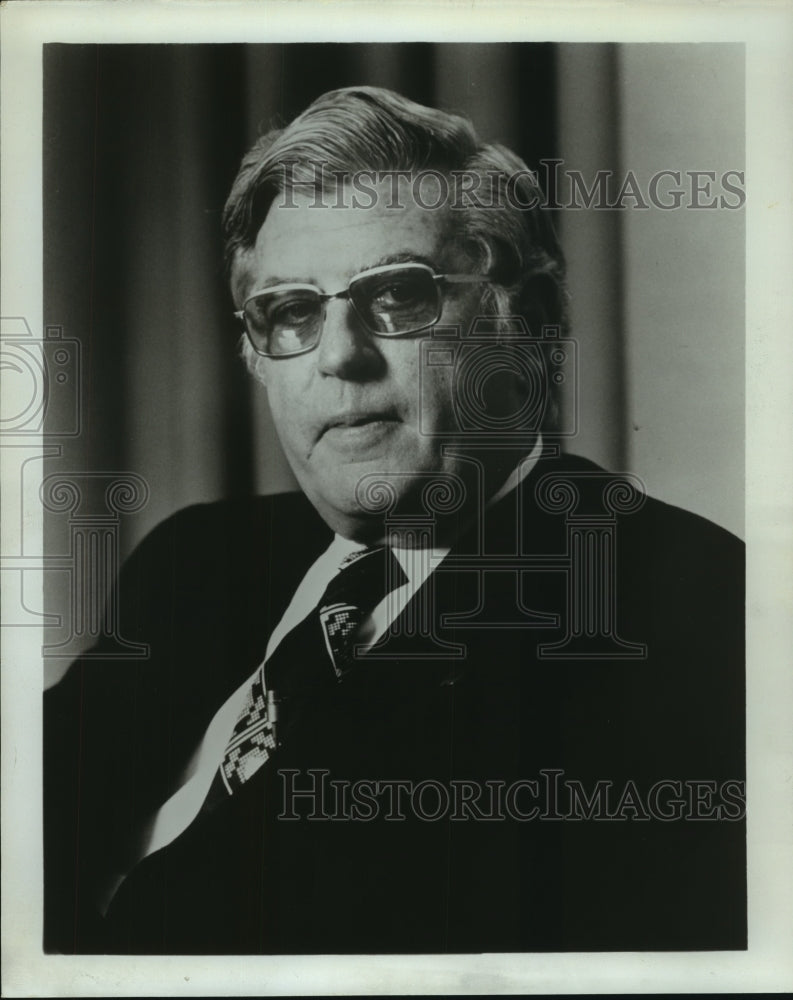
x,y
317,238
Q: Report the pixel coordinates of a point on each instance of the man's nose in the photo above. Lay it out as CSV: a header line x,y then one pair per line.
x,y
346,349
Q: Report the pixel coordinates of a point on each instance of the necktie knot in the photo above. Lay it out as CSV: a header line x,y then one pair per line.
x,y
321,649
364,579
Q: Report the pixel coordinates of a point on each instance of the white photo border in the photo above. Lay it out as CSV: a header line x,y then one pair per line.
x,y
767,31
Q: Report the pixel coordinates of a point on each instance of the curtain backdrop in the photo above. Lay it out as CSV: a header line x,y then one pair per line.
x,y
141,144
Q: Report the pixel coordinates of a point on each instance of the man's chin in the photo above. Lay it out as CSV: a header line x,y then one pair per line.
x,y
371,501
354,498
350,520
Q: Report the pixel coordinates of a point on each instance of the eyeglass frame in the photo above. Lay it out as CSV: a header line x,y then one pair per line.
x,y
325,297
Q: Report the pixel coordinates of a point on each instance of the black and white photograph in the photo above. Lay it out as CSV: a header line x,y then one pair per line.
x,y
380,471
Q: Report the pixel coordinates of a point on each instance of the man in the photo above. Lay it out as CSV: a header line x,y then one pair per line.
x,y
466,694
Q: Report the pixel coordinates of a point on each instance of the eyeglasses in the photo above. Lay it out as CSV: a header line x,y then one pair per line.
x,y
390,301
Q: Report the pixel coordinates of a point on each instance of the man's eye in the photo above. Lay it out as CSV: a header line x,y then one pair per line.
x,y
292,312
397,294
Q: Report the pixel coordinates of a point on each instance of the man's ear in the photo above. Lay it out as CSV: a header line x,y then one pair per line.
x,y
543,305
504,391
539,303
254,362
258,367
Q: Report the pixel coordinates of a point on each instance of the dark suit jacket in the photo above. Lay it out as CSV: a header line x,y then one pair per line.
x,y
205,590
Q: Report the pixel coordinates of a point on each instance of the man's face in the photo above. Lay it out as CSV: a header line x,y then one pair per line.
x,y
350,407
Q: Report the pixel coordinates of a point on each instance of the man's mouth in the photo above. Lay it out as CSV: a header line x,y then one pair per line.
x,y
360,418
359,428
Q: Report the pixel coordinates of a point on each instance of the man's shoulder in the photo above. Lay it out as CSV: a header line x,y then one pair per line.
x,y
236,529
239,514
600,494
211,569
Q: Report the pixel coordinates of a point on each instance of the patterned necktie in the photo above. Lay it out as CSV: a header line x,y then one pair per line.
x,y
316,654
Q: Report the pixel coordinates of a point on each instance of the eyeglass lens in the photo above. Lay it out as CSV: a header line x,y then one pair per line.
x,y
405,300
